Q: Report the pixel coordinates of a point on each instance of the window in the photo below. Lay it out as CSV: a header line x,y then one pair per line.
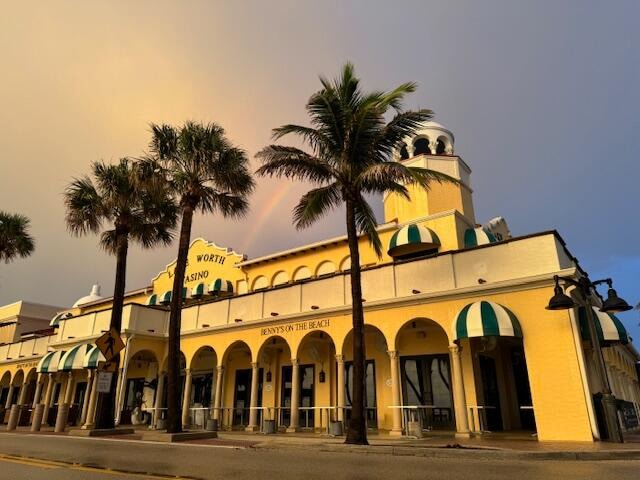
x,y
421,147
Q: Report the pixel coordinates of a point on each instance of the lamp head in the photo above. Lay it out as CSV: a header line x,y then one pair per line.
x,y
560,300
614,304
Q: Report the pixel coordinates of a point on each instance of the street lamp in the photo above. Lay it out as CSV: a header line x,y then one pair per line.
x,y
613,303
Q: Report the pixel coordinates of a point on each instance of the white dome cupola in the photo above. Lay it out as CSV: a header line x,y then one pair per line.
x,y
431,138
92,297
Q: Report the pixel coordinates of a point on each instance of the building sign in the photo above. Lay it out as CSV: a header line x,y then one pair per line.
x,y
206,262
295,327
104,381
27,365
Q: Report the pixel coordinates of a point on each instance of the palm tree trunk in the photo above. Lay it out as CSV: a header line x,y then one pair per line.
x,y
174,418
107,411
357,429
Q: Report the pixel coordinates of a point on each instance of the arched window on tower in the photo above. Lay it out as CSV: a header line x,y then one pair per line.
x,y
421,147
440,147
404,153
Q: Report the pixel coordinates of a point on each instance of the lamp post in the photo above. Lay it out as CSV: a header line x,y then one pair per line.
x,y
613,303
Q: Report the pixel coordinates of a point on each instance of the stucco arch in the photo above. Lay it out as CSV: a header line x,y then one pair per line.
x,y
345,264
279,278
204,358
422,145
272,347
235,346
18,378
301,273
32,375
372,334
183,362
421,334
260,282
319,335
6,379
326,267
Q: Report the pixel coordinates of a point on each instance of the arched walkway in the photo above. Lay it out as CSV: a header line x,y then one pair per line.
x,y
201,390
377,371
138,391
237,387
422,351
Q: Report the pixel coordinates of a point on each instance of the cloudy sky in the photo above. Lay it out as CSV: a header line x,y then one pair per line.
x,y
542,97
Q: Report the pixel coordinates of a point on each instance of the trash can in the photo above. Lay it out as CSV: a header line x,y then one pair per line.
x,y
335,429
414,429
212,425
161,424
269,426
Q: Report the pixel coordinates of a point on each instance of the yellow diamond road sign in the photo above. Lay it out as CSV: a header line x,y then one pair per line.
x,y
110,344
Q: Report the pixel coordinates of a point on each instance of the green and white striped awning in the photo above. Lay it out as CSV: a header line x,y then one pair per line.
x,y
152,300
220,285
478,236
197,291
55,321
93,356
49,363
72,360
165,298
486,319
609,328
412,238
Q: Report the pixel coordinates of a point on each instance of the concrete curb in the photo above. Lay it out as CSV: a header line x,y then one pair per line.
x,y
478,453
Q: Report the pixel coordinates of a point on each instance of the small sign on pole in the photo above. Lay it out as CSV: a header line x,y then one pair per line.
x,y
104,382
107,366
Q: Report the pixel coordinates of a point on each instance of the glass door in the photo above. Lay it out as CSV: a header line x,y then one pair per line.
x,y
491,392
426,384
307,396
370,406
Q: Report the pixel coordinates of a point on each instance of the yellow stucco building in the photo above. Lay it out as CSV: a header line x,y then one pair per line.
x,y
457,335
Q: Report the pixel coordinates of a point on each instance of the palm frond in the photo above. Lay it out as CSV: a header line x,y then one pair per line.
x,y
15,240
366,223
315,204
291,162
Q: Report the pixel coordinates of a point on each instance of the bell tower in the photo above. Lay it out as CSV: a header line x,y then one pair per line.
x,y
432,148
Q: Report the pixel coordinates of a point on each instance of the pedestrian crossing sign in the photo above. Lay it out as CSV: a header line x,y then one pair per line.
x,y
110,344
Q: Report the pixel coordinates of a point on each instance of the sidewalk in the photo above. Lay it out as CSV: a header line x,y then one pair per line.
x,y
496,446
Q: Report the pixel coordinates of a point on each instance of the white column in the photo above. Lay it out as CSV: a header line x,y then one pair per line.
x,y
87,394
158,402
22,397
218,398
253,411
295,396
7,404
36,397
119,400
395,393
186,399
459,399
340,389
69,390
47,397
90,420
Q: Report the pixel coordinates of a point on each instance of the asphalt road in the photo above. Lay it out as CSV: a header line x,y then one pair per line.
x,y
213,462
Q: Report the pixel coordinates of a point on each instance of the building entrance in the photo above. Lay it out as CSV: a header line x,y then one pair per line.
x,y
491,393
242,396
307,395
426,384
370,406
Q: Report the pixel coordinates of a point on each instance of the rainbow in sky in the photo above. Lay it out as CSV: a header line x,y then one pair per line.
x,y
265,212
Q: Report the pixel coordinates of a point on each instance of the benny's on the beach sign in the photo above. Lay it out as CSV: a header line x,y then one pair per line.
x,y
206,262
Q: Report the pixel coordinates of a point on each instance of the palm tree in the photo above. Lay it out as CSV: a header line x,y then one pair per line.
x,y
351,146
207,174
15,240
136,207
